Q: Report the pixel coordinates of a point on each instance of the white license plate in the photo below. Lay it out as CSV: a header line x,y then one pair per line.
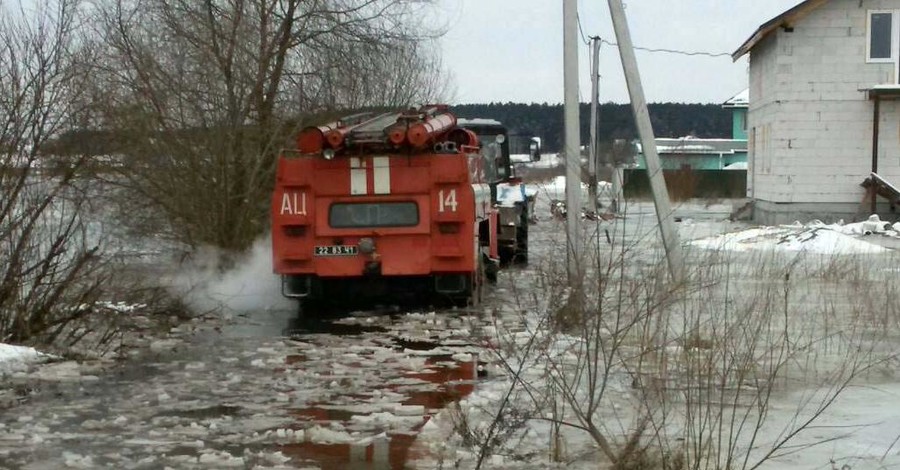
x,y
337,250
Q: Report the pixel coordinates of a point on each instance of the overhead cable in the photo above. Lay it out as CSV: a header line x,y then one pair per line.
x,y
674,51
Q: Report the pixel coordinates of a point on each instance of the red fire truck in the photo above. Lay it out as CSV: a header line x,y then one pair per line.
x,y
395,205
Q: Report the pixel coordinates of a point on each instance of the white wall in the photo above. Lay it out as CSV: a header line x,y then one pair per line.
x,y
810,116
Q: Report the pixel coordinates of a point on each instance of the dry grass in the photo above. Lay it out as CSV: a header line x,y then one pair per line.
x,y
703,361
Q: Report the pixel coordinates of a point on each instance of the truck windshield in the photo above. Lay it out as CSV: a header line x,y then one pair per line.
x,y
492,152
373,214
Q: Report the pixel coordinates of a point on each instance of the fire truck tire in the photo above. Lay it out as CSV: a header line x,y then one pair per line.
x,y
315,307
491,270
478,278
302,309
522,241
306,308
506,254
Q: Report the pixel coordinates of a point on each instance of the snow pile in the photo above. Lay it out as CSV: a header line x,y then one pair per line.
x,y
816,238
871,226
16,358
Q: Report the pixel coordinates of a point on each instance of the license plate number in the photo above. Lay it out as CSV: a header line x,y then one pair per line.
x,y
337,250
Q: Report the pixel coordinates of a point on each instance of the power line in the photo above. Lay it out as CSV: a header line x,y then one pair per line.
x,y
581,31
587,42
673,51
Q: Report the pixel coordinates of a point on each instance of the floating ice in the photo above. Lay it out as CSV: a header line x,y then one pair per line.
x,y
328,436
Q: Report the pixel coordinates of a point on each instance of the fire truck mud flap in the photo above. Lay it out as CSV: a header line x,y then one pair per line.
x,y
452,283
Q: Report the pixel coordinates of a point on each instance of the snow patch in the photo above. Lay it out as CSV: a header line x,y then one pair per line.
x,y
548,160
556,189
736,166
509,194
16,358
814,238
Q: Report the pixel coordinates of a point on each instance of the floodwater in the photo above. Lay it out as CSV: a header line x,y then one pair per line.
x,y
444,381
260,391
428,388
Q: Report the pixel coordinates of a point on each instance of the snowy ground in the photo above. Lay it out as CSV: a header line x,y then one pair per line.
x,y
256,389
16,358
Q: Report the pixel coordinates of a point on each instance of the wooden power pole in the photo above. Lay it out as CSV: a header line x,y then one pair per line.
x,y
664,212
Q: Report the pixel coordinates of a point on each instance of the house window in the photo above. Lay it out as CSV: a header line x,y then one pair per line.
x,y
880,40
883,39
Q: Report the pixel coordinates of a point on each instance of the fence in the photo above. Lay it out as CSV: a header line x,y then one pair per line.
x,y
688,184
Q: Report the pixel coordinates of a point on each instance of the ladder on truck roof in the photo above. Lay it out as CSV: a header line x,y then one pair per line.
x,y
414,128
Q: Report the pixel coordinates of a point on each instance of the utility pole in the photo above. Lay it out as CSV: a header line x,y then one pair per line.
x,y
618,193
595,141
572,141
664,214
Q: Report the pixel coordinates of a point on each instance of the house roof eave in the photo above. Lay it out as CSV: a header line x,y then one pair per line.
x,y
786,19
739,101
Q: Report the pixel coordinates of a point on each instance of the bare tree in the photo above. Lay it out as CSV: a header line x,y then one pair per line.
x,y
50,271
208,92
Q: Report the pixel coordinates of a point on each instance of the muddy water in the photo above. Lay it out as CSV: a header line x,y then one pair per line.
x,y
261,391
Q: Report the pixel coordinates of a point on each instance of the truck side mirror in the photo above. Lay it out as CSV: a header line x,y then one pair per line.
x,y
534,150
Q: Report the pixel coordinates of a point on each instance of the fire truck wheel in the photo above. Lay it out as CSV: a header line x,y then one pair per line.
x,y
303,308
491,269
522,241
506,254
310,308
477,285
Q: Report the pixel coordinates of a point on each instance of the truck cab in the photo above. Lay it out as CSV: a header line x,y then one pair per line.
x,y
512,199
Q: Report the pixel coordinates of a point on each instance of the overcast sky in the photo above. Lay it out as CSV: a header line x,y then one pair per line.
x,y
511,50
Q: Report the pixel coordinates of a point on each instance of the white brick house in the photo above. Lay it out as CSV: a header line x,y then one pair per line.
x,y
821,75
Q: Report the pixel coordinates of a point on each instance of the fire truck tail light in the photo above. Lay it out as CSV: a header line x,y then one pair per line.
x,y
448,228
295,230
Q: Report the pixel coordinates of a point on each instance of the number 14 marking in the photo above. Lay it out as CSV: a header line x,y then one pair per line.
x,y
448,200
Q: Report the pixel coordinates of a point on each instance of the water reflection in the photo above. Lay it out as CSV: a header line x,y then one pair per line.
x,y
387,445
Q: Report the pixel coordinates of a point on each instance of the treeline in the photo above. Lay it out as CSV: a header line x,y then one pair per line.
x,y
616,122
